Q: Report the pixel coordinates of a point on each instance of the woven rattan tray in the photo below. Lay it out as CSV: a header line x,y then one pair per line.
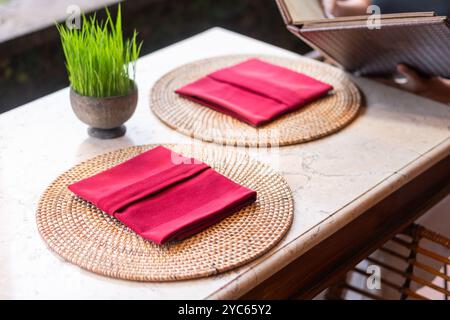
x,y
93,240
313,121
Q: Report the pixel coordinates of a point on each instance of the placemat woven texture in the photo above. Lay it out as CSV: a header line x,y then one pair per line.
x,y
313,121
93,240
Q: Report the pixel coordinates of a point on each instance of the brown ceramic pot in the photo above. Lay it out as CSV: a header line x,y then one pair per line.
x,y
105,116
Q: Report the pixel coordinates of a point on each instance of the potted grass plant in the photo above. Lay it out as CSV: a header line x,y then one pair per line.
x,y
101,66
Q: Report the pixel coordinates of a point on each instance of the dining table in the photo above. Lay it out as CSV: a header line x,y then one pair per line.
x,y
353,190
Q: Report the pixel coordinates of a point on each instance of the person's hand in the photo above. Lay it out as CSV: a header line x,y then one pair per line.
x,y
435,88
329,8
343,8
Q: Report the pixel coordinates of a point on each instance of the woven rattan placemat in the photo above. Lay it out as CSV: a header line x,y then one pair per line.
x,y
93,240
313,121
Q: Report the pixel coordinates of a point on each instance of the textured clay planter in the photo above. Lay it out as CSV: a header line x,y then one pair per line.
x,y
105,116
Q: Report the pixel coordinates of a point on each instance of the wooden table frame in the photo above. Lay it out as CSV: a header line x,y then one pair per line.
x,y
339,253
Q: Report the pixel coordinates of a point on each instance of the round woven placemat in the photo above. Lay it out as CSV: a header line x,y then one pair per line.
x,y
93,240
313,121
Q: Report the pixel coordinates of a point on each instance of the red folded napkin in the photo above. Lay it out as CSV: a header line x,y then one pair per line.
x,y
164,196
254,91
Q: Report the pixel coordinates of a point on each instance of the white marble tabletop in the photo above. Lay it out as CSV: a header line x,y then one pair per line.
x,y
334,179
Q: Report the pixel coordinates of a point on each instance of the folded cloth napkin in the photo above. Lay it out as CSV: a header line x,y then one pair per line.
x,y
255,91
164,196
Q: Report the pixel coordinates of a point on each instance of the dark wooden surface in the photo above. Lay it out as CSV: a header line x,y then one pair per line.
x,y
328,261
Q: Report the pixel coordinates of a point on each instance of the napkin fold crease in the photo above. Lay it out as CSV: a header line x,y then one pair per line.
x,y
164,196
255,91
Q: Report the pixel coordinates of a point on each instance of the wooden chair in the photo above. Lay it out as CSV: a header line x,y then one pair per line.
x,y
414,265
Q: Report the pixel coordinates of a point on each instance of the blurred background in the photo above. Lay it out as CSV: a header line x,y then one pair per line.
x,y
31,59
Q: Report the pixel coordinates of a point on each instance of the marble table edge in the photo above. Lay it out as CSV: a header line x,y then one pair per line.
x,y
294,249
